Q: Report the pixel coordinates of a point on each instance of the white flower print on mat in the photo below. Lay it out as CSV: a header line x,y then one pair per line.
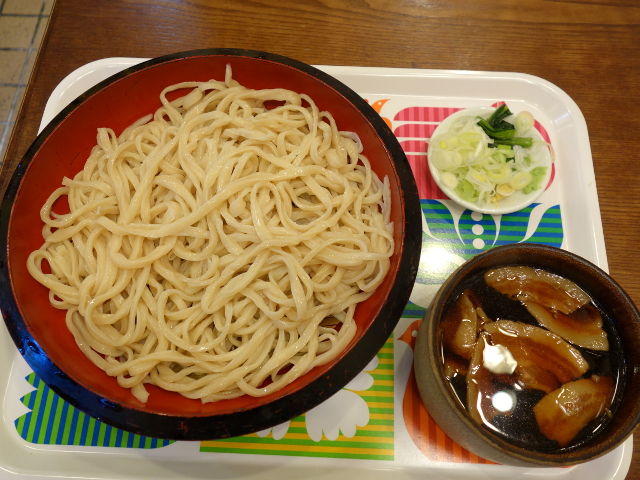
x,y
345,411
279,431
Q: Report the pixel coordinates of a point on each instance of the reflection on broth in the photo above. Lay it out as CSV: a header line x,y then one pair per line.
x,y
532,358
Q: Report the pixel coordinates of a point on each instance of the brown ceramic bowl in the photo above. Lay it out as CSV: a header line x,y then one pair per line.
x,y
450,415
39,330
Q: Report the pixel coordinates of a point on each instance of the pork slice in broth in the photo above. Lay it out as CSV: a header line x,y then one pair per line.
x,y
545,361
480,387
460,327
564,412
583,327
539,286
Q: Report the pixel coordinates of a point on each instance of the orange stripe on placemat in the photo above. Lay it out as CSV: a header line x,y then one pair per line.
x,y
458,453
425,433
411,398
448,446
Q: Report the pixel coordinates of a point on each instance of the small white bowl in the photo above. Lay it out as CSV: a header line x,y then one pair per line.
x,y
514,202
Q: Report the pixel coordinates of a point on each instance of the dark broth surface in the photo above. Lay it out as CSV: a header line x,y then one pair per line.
x,y
520,427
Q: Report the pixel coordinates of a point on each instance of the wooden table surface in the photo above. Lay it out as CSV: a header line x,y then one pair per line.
x,y
588,48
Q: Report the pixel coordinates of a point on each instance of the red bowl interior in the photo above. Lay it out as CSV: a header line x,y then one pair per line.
x,y
64,152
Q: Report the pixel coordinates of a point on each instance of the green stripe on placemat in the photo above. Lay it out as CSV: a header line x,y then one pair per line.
x,y
373,441
413,311
458,237
449,239
52,421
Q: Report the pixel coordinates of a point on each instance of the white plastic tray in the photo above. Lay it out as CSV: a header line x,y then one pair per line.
x,y
402,96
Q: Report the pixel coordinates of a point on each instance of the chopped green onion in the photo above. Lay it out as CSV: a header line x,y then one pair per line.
x,y
520,180
524,122
483,161
501,131
537,175
496,120
467,191
524,142
449,179
496,133
499,157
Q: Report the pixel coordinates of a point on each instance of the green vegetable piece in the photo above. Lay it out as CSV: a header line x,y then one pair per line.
x,y
467,191
501,131
538,174
524,142
499,157
495,126
496,120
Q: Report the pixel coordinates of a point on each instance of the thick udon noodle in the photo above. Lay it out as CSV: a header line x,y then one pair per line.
x,y
217,248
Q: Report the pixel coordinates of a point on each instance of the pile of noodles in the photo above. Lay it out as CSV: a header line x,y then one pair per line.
x,y
217,248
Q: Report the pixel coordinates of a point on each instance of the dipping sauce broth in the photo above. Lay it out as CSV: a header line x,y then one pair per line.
x,y
532,358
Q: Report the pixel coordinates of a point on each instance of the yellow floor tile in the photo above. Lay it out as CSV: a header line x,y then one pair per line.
x,y
18,102
17,32
29,66
48,5
24,7
6,100
11,62
42,26
22,27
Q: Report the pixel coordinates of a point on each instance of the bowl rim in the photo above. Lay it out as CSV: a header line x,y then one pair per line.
x,y
497,209
494,447
191,426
